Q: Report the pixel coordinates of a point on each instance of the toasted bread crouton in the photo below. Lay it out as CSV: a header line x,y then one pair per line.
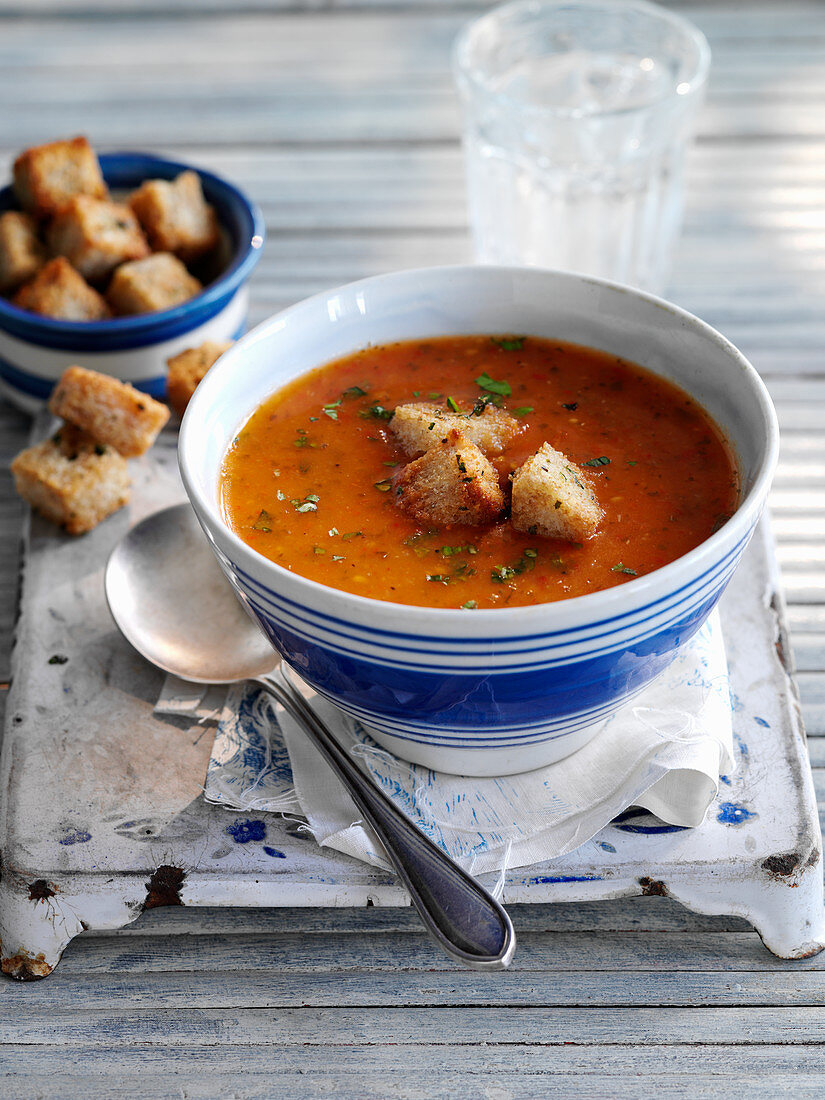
x,y
551,497
96,235
452,482
57,290
47,176
72,479
158,282
417,426
21,253
113,412
175,216
187,369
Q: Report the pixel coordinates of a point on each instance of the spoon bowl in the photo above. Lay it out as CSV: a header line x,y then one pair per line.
x,y
172,602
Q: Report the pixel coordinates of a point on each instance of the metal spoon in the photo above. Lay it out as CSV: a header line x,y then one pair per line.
x,y
171,601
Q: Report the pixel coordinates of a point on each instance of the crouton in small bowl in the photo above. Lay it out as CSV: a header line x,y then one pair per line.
x,y
119,263
480,508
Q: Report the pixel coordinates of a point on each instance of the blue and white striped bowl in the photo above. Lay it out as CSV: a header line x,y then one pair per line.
x,y
35,350
482,692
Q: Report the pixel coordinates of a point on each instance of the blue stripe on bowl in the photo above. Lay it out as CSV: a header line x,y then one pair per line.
x,y
426,644
32,385
441,698
711,581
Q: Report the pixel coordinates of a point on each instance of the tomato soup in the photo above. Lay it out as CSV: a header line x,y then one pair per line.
x,y
308,482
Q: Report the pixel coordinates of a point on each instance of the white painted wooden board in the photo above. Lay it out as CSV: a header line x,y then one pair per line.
x,y
339,206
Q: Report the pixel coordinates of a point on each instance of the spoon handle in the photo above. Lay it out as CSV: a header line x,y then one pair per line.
x,y
458,912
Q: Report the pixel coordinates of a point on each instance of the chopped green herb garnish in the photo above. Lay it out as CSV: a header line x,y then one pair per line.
x,y
570,406
352,535
331,409
383,486
313,497
354,391
307,506
632,463
333,531
280,496
416,393
451,401
487,383
531,553
433,396
602,461
312,419
509,343
438,578
461,466
523,411
470,605
378,412
338,557
58,659
263,522
482,403
621,568
501,574
318,550
390,463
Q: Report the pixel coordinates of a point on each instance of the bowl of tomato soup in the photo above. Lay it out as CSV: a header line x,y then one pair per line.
x,y
480,508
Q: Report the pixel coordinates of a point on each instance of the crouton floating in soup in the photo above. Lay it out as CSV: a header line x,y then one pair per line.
x,y
581,472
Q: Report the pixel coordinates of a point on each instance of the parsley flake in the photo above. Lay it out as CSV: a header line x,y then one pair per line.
x,y
509,343
453,404
571,406
602,461
621,568
263,522
383,486
523,411
487,383
470,605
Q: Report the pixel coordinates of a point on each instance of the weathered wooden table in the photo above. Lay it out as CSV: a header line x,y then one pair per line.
x,y
342,122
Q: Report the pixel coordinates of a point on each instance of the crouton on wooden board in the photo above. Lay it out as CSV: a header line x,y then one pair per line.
x,y
188,368
57,290
551,497
114,412
47,176
450,483
72,479
416,426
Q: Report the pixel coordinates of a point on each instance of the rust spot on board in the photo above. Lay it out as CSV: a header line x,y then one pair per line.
x,y
782,866
25,967
653,888
163,888
40,890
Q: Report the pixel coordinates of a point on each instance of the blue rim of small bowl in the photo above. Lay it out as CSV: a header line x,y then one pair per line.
x,y
129,169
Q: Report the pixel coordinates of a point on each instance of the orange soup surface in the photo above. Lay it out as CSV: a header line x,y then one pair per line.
x,y
308,482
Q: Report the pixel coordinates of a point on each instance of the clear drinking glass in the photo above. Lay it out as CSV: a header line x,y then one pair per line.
x,y
577,114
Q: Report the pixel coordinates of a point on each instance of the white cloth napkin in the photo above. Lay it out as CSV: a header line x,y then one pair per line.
x,y
664,752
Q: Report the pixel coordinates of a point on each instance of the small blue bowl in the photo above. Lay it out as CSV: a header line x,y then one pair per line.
x,y
35,350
